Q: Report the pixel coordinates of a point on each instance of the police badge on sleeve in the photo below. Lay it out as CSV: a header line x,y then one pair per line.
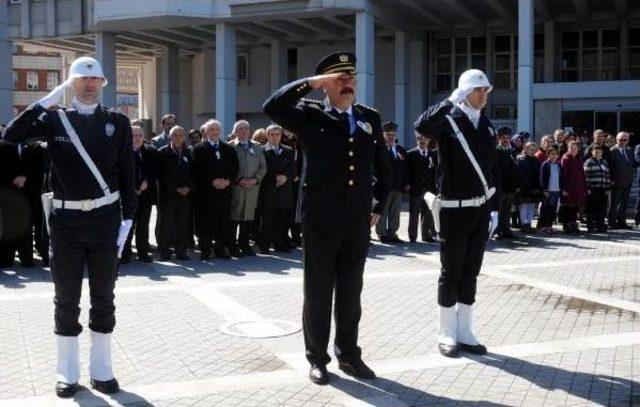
x,y
109,129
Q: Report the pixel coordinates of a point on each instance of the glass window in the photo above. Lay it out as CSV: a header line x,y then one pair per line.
x,y
592,54
590,39
502,43
456,55
570,40
461,45
32,80
243,67
478,45
443,83
52,80
611,38
505,61
634,37
443,46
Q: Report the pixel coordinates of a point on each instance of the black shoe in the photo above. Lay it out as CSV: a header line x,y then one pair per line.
x,y
450,351
396,239
66,390
413,240
247,251
106,387
263,250
125,260
221,253
234,252
318,374
357,369
145,258
625,226
204,256
429,239
384,239
183,257
475,349
165,256
27,263
282,249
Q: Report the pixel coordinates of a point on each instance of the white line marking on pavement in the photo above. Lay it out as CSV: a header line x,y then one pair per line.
x,y
85,288
285,377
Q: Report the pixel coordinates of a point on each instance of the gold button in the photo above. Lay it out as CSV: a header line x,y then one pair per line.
x,y
351,167
350,153
350,182
350,139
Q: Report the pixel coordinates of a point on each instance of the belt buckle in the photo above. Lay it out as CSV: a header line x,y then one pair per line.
x,y
87,205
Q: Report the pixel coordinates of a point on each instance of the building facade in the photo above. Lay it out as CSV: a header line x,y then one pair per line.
x,y
554,63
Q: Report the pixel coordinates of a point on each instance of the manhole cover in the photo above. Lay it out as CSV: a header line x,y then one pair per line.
x,y
264,328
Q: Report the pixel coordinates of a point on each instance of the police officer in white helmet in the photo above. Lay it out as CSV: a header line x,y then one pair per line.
x,y
465,209
90,213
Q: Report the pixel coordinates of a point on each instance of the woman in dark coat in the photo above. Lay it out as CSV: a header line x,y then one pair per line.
x,y
575,186
528,178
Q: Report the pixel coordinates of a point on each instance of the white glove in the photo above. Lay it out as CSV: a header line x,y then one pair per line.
x,y
493,222
459,94
125,228
55,96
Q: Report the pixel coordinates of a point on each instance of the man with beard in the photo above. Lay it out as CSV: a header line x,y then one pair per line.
x,y
466,185
93,204
342,149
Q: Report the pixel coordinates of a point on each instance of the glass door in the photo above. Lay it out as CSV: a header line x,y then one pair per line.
x,y
607,121
630,122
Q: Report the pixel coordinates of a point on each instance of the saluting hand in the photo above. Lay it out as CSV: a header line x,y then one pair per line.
x,y
318,81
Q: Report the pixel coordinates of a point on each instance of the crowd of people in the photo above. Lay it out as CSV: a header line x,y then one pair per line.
x,y
230,192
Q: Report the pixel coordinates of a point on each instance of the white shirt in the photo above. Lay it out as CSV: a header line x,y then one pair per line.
x,y
472,114
82,107
554,177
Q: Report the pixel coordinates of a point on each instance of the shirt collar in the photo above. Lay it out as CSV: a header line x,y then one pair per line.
x,y
82,107
269,146
328,107
472,114
214,143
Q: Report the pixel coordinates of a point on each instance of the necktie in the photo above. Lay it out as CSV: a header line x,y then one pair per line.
x,y
349,119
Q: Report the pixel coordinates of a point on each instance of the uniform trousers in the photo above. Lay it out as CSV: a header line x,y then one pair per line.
x,y
334,255
464,233
175,212
419,214
80,239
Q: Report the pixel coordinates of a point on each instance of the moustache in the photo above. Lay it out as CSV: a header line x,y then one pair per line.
x,y
347,91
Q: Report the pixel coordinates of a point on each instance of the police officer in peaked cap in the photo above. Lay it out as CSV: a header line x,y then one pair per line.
x,y
91,211
466,205
342,150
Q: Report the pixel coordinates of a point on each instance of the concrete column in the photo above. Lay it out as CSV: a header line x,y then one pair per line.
x,y
106,54
51,18
278,64
148,93
624,49
67,59
169,82
365,42
488,70
226,76
402,79
418,74
525,65
25,18
549,51
6,67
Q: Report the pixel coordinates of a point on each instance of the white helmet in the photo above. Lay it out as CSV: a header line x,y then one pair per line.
x,y
474,78
86,67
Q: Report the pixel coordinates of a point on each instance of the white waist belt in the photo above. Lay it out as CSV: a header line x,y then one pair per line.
x,y
467,203
87,204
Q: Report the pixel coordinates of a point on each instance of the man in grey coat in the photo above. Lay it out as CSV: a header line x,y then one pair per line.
x,y
622,167
246,189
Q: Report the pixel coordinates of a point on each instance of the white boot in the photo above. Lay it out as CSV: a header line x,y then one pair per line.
x,y
100,367
68,366
465,327
447,330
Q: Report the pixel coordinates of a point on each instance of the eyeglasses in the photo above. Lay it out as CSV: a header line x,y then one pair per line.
x,y
624,139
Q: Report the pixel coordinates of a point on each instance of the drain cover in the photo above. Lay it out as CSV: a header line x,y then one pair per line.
x,y
263,328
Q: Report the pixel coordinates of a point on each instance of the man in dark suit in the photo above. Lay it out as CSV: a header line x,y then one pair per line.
x,y
215,168
599,137
422,164
621,167
387,227
147,193
507,181
175,179
343,149
276,192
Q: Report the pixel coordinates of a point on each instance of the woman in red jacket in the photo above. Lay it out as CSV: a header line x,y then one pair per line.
x,y
575,186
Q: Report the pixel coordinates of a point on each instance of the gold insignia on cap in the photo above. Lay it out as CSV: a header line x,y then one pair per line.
x,y
344,58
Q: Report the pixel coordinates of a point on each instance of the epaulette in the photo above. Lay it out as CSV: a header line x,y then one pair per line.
x,y
367,108
113,110
313,103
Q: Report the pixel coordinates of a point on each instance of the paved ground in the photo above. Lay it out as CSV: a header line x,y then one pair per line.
x,y
561,317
